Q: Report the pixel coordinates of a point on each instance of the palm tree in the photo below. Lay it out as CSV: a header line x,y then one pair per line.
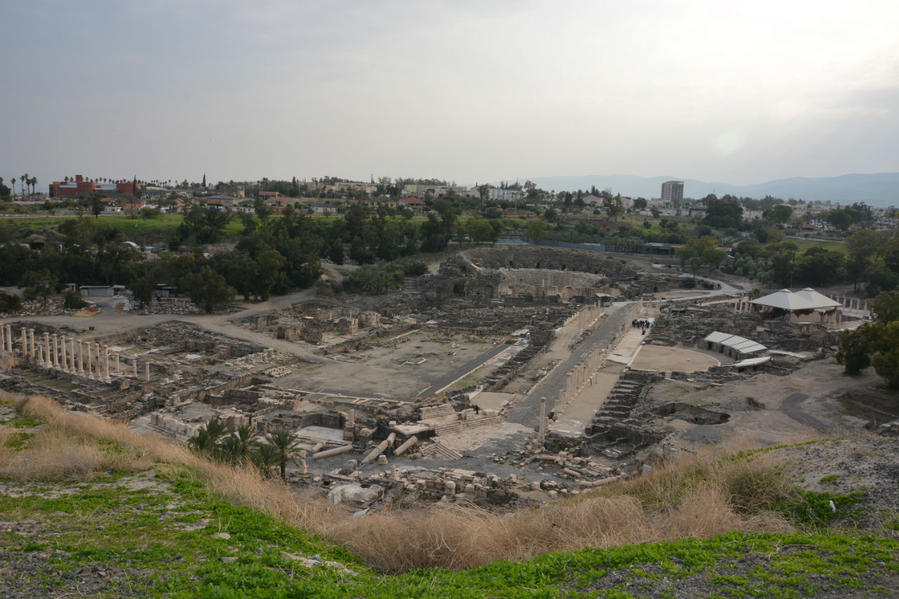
x,y
24,181
13,183
285,447
237,446
33,183
264,458
207,437
1,181
200,441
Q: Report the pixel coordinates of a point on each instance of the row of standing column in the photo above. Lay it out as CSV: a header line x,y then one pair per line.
x,y
853,303
67,354
6,339
582,375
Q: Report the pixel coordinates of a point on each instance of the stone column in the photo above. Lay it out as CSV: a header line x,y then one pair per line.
x,y
72,354
24,343
55,350
541,428
147,364
134,366
87,347
65,358
9,338
301,461
80,357
40,355
31,351
118,365
47,349
105,363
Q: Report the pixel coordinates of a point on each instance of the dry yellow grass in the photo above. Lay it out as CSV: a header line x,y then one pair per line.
x,y
697,498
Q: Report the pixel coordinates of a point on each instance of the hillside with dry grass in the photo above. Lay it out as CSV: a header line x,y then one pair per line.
x,y
89,508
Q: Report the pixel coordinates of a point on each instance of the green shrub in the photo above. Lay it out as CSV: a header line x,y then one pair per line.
x,y
10,303
73,301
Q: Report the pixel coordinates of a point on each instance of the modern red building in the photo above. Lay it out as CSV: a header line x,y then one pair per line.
x,y
82,187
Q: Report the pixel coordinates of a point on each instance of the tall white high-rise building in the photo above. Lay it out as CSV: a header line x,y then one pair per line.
x,y
673,195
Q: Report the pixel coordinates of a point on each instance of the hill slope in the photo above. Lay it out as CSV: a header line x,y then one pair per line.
x,y
83,513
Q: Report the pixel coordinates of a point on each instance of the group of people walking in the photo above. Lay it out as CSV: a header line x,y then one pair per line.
x,y
641,323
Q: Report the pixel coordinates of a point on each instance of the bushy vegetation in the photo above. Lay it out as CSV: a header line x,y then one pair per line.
x,y
10,303
272,255
875,344
871,257
243,446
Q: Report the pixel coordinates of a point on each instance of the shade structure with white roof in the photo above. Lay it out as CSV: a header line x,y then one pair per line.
x,y
807,299
806,306
734,346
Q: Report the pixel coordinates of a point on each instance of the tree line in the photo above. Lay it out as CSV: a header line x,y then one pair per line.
x,y
871,259
272,255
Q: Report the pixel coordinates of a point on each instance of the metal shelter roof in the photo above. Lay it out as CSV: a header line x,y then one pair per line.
x,y
806,299
735,342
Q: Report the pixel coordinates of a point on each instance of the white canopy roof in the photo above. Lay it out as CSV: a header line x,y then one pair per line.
x,y
739,344
807,299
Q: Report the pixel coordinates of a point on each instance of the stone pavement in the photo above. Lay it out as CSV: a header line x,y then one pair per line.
x,y
527,411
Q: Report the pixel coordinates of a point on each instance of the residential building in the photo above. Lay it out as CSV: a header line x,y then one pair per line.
x,y
673,194
84,187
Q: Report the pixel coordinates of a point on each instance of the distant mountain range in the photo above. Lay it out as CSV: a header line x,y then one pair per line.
x,y
878,189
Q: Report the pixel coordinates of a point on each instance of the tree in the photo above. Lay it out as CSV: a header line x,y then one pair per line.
x,y
819,266
207,289
613,207
142,290
778,214
699,252
264,458
862,247
725,213
96,204
207,437
886,306
886,360
841,219
286,449
783,261
238,446
479,230
536,229
875,344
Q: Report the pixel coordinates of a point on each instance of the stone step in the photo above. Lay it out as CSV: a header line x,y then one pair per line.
x,y
438,448
458,425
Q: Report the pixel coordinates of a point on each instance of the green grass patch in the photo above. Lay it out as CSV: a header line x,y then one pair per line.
x,y
805,244
18,440
25,422
811,508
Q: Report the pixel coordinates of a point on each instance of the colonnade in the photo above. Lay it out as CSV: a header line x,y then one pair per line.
x,y
69,355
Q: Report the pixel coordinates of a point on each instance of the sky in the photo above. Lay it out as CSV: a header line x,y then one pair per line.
x,y
466,90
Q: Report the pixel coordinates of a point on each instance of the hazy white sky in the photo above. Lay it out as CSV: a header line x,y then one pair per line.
x,y
465,90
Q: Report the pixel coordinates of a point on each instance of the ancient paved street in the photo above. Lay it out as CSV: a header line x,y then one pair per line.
x,y
527,411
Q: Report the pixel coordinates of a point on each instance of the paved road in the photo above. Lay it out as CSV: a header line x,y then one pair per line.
x,y
463,369
791,407
527,411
